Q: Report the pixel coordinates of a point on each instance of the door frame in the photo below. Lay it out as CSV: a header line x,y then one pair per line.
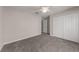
x,y
48,24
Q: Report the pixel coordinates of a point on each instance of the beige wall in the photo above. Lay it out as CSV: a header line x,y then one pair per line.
x,y
19,24
0,27
66,24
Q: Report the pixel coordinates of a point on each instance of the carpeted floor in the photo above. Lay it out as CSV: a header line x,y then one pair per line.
x,y
42,43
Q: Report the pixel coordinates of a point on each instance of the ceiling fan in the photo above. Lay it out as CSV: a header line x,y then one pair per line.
x,y
43,10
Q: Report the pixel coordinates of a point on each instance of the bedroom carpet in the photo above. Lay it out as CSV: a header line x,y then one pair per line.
x,y
42,43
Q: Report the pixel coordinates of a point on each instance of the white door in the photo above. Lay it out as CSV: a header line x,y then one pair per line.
x,y
44,26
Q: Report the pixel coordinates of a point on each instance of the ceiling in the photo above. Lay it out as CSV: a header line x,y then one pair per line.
x,y
35,9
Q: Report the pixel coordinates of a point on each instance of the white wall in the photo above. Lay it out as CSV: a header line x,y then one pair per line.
x,y
66,24
19,24
0,27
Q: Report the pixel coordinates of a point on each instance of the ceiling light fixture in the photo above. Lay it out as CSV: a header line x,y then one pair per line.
x,y
44,9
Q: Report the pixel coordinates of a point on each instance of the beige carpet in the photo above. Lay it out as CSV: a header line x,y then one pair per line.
x,y
42,43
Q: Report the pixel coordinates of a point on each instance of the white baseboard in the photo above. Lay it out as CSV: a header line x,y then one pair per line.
x,y
65,38
4,43
20,39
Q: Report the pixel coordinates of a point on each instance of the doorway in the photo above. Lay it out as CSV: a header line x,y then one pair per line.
x,y
46,25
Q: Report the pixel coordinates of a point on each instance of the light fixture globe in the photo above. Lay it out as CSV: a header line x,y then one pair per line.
x,y
44,9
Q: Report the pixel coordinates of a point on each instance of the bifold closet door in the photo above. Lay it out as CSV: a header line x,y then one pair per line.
x,y
66,27
71,25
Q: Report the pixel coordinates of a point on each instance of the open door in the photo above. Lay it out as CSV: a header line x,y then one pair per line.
x,y
45,25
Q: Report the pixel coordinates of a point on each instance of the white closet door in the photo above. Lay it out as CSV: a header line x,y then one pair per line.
x,y
58,27
66,27
71,27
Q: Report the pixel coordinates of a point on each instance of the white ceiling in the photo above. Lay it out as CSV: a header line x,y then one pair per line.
x,y
35,9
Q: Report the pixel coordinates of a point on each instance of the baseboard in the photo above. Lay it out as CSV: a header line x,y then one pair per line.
x,y
65,39
20,39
